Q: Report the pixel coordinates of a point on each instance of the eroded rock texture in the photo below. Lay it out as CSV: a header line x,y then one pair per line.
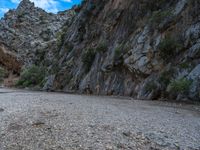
x,y
141,48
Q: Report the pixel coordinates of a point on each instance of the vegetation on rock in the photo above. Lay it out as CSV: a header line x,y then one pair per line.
x,y
2,74
118,51
32,76
168,48
102,47
60,37
159,16
166,76
150,86
88,58
180,86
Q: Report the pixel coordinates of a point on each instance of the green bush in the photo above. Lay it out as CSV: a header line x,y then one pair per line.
x,y
168,48
154,4
32,76
102,47
61,37
150,86
21,15
185,65
166,76
179,86
2,74
68,47
55,68
158,16
88,58
40,54
118,51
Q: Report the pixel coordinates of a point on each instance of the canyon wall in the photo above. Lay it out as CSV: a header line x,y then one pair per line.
x,y
139,48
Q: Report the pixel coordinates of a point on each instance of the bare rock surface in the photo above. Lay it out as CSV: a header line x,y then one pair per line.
x,y
136,48
56,121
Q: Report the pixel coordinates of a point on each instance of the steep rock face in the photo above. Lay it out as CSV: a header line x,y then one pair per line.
x,y
132,48
139,48
9,60
30,32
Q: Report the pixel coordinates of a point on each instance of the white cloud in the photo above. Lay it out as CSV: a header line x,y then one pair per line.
x,y
69,1
4,10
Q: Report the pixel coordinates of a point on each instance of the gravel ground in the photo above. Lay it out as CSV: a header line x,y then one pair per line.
x,y
55,121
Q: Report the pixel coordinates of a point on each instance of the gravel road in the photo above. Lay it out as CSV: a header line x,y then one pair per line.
x,y
56,121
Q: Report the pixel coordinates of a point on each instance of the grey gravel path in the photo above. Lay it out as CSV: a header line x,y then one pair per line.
x,y
55,121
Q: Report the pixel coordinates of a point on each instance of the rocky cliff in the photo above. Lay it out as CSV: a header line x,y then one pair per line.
x,y
143,49
30,32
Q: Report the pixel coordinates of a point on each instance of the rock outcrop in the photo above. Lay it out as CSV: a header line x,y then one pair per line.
x,y
141,48
30,32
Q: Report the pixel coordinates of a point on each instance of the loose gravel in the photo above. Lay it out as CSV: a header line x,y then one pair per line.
x,y
55,121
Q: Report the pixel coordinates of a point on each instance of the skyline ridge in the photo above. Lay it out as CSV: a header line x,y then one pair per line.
x,y
53,6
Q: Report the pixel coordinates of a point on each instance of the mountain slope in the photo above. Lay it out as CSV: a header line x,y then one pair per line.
x,y
144,49
133,49
29,30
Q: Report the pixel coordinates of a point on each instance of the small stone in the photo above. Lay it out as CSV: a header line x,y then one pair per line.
x,y
176,144
177,112
109,147
1,109
128,134
38,124
121,146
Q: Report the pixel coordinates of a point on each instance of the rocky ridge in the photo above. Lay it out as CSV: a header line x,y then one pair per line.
x,y
30,32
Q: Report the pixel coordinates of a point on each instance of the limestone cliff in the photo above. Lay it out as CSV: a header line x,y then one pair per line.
x,y
144,49
139,48
30,32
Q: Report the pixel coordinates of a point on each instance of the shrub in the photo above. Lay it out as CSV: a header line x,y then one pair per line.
x,y
21,15
118,51
54,68
102,47
154,4
185,65
61,37
32,76
2,74
150,86
166,76
88,58
158,16
68,47
43,19
179,86
40,54
168,48
127,47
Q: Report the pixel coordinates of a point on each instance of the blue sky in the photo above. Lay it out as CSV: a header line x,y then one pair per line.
x,y
49,5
